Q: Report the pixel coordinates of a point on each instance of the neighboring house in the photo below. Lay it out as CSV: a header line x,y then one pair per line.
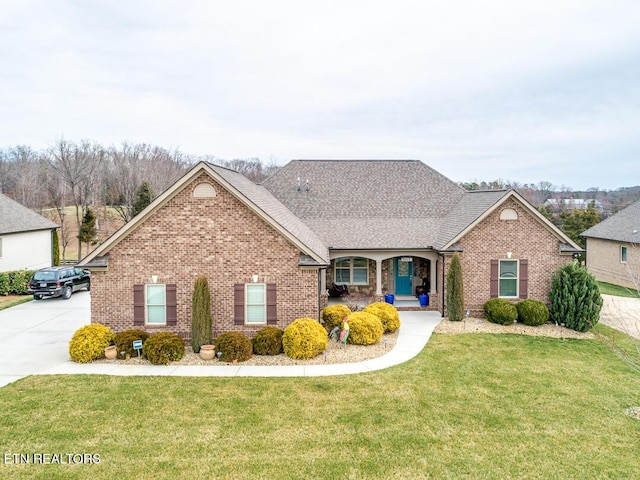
x,y
613,247
25,237
568,204
270,251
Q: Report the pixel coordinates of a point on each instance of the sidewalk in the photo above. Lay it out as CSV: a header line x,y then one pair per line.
x,y
415,330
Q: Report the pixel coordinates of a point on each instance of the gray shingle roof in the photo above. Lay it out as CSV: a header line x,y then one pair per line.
x,y
368,203
619,227
16,218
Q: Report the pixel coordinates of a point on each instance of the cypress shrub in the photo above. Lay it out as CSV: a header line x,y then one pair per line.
x,y
55,242
200,314
455,293
575,298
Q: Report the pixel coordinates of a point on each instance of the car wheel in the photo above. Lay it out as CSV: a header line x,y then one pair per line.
x,y
66,293
89,287
37,297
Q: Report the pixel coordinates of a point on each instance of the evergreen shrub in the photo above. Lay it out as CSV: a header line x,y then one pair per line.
x,y
124,341
532,312
333,315
163,347
88,342
364,328
268,341
455,292
387,314
305,338
499,310
234,346
200,314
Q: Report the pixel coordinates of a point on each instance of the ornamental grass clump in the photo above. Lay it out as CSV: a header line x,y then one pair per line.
x,y
532,312
234,346
88,342
305,338
575,298
387,314
268,341
124,341
333,315
163,347
501,311
364,328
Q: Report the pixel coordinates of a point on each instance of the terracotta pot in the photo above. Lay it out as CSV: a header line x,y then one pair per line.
x,y
207,352
111,352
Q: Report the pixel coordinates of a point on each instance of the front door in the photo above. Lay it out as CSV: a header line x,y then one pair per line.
x,y
404,274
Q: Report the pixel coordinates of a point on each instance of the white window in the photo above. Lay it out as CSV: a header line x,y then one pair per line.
x,y
508,279
623,254
255,303
352,271
156,304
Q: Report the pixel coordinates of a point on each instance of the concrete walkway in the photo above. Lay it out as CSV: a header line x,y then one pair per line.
x,y
34,339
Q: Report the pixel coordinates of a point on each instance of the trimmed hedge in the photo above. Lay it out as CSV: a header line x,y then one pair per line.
x,y
305,338
268,341
88,342
499,310
333,315
124,341
15,282
163,347
532,312
387,314
234,346
364,328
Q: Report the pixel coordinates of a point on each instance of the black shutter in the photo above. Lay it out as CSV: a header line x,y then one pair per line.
x,y
272,311
138,304
238,304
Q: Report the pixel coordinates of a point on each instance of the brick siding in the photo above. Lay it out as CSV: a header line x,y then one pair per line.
x,y
217,237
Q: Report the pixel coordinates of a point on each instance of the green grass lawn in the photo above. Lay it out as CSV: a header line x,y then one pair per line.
x,y
13,300
617,290
469,406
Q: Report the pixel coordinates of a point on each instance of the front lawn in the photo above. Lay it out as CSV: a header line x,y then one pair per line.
x,y
7,301
617,290
469,406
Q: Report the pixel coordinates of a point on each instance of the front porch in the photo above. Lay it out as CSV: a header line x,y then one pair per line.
x,y
401,302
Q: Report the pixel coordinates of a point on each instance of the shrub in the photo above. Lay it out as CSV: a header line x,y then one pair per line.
x,y
88,342
15,282
499,310
455,293
364,328
200,314
333,315
124,341
163,347
305,338
575,298
234,346
268,341
532,312
387,314
4,283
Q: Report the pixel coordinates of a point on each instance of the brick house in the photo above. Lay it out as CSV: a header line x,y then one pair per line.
x,y
271,251
613,248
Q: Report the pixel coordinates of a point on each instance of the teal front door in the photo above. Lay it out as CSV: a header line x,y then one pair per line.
x,y
404,271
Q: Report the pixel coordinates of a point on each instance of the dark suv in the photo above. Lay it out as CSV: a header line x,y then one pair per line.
x,y
58,282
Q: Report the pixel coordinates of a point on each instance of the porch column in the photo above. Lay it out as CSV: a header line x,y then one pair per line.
x,y
434,276
323,281
378,277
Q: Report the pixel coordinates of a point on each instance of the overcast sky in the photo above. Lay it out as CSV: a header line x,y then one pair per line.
x,y
479,90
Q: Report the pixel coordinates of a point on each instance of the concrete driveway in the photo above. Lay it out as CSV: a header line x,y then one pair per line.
x,y
622,314
34,336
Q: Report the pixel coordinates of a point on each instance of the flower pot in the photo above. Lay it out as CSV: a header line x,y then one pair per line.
x,y
207,352
424,300
111,352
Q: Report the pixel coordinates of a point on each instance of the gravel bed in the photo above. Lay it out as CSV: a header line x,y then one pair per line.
x,y
479,325
335,353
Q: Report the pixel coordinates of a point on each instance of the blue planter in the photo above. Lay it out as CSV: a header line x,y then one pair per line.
x,y
388,298
424,300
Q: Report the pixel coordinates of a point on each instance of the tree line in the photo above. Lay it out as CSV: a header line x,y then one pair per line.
x,y
87,176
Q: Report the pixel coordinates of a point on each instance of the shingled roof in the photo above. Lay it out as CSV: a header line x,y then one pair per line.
x,y
623,226
16,218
